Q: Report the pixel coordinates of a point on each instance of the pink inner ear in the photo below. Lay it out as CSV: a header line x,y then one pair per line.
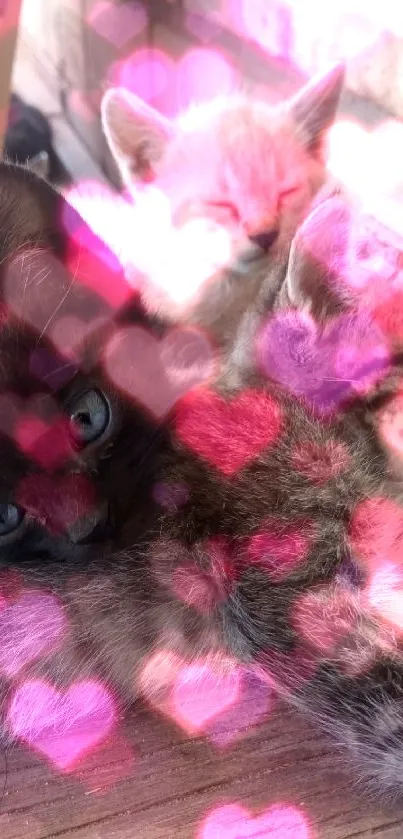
x,y
137,134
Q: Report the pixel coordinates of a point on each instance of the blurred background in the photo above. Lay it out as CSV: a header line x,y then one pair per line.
x,y
172,52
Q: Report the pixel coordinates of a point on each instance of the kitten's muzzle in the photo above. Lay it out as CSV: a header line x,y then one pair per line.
x,y
93,527
265,239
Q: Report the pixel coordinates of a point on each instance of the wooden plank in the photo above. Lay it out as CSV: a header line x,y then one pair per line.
x,y
152,782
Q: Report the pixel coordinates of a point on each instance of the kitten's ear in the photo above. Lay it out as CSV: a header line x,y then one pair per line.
x,y
137,134
40,164
314,108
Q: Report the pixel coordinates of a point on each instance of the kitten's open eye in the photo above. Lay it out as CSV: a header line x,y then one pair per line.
x,y
11,517
90,416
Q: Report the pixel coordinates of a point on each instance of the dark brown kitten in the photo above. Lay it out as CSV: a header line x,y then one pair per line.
x,y
174,508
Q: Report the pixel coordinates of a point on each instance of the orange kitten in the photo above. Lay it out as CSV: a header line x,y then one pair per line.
x,y
249,166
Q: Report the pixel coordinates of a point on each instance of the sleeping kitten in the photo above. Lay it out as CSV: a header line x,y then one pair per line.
x,y
157,509
248,167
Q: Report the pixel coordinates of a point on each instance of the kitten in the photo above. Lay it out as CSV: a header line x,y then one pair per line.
x,y
170,512
29,139
251,168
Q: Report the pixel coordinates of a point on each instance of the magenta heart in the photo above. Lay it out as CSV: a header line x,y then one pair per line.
x,y
201,693
117,22
324,364
229,434
30,627
61,726
322,617
234,822
279,549
157,373
36,428
57,502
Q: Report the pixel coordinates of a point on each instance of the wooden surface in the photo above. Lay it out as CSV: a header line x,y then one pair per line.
x,y
151,782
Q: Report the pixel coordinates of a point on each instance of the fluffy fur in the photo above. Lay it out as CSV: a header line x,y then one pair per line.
x,y
269,520
249,166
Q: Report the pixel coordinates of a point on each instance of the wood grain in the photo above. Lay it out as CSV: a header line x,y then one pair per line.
x,y
152,782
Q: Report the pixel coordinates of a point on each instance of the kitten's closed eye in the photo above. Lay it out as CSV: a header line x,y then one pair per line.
x,y
289,192
221,212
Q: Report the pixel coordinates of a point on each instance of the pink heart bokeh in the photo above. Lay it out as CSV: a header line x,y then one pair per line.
x,y
157,373
117,23
201,693
279,549
192,694
34,625
68,301
61,726
70,333
37,428
232,821
325,364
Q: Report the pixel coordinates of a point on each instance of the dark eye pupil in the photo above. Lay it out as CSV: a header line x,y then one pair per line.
x,y
10,518
82,418
90,417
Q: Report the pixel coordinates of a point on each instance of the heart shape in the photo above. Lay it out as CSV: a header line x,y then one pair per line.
x,y
320,462
117,23
61,726
323,616
195,694
201,693
235,822
376,532
228,434
43,292
70,333
253,704
37,428
323,364
157,373
278,549
32,625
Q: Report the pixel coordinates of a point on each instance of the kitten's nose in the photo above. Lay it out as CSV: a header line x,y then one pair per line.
x,y
265,239
91,528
